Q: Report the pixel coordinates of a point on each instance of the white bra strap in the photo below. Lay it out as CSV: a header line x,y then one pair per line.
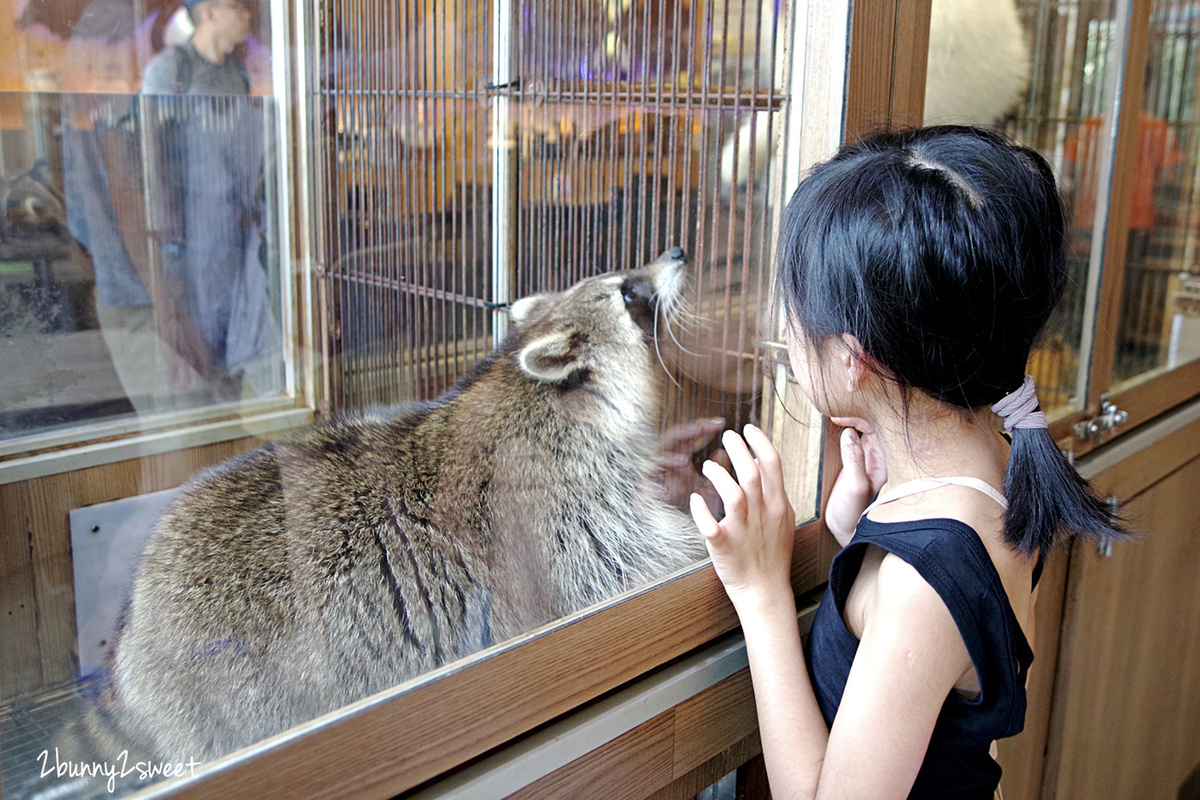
x,y
925,484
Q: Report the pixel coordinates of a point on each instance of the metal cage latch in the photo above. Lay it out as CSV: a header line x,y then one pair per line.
x,y
1109,417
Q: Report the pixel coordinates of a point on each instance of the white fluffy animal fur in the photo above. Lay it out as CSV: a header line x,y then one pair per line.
x,y
978,72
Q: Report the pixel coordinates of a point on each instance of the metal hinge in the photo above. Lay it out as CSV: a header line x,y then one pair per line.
x,y
1095,428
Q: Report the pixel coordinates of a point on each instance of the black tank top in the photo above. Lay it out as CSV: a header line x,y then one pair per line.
x,y
949,555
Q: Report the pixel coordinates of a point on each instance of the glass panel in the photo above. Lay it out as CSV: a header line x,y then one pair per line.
x,y
293,581
1046,82
142,289
1159,326
139,252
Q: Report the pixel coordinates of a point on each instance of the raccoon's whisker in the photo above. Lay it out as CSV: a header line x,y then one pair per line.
x,y
682,309
681,316
690,318
680,313
684,327
679,344
671,332
658,349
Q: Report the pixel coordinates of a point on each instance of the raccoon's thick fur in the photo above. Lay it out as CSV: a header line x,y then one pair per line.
x,y
311,573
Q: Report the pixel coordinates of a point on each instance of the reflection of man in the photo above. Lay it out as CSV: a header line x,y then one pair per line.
x,y
206,63
103,179
210,171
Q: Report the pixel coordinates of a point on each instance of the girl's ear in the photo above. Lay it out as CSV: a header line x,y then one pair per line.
x,y
854,361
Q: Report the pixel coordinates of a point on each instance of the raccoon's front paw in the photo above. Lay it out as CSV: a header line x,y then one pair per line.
x,y
682,451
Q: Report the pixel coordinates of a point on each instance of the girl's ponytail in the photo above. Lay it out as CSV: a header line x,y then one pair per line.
x,y
1046,495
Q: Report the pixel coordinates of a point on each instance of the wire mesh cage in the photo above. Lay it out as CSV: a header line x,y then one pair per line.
x,y
622,128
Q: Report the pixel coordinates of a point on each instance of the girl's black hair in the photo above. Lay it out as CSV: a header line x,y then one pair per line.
x,y
944,251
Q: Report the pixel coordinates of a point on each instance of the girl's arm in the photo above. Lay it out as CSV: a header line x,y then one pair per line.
x,y
909,659
751,548
910,656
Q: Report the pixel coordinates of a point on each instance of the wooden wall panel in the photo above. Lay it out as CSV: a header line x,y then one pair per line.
x,y
37,596
657,757
622,770
1127,708
743,756
713,721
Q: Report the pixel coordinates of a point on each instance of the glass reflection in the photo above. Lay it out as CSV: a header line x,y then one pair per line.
x,y
140,285
1158,326
140,261
1044,82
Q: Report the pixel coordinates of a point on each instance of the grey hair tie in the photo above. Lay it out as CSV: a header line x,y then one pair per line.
x,y
1020,409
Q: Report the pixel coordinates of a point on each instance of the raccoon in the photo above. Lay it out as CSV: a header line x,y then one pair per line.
x,y
309,574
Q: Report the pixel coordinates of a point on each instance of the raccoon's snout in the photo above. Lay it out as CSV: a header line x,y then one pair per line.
x,y
667,276
658,284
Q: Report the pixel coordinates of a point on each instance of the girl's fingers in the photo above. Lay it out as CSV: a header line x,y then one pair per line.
x,y
729,490
852,451
858,423
703,518
764,451
873,463
770,466
743,461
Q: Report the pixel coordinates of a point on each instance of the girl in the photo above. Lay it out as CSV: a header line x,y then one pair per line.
x,y
916,270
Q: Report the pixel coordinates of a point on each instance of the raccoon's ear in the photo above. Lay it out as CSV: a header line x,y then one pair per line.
x,y
553,358
523,310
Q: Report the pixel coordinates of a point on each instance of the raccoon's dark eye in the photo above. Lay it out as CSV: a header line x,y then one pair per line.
x,y
636,292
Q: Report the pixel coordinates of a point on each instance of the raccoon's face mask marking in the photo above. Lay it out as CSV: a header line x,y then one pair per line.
x,y
607,326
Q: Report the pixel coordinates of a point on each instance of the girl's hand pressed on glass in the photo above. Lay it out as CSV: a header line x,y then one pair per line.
x,y
751,546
